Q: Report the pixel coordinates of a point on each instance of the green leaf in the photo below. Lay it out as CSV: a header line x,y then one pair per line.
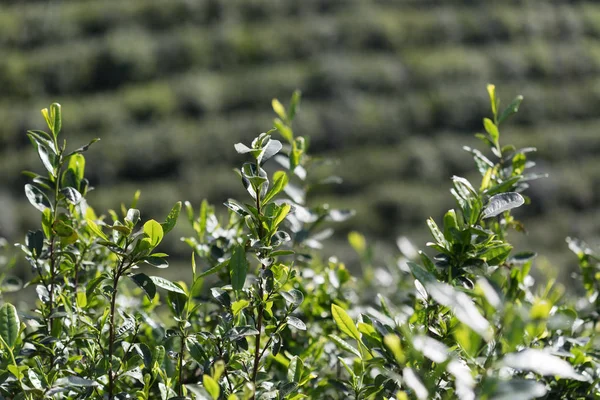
x,y
96,229
501,203
72,195
211,386
48,158
295,369
542,363
47,220
154,231
34,379
35,242
167,284
269,150
436,233
62,229
464,187
36,197
69,381
516,389
203,219
255,180
344,322
214,269
236,207
284,130
47,118
238,267
419,273
40,137
280,180
82,149
190,212
358,242
283,212
492,129
495,255
296,323
491,89
9,324
17,371
279,108
392,342
145,283
512,108
341,343
522,258
171,220
294,297
177,302
294,104
56,116
450,225
503,186
156,262
238,306
133,216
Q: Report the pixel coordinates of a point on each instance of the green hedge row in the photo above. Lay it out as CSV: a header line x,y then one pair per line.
x,y
389,24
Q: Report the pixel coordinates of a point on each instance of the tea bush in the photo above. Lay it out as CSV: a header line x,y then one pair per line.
x,y
262,314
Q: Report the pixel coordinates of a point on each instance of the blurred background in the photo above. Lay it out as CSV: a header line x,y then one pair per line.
x,y
391,89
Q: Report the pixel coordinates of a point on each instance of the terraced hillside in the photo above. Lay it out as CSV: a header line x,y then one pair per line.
x,y
389,86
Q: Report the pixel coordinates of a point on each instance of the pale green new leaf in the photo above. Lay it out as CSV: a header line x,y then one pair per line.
x,y
280,179
344,322
154,231
211,386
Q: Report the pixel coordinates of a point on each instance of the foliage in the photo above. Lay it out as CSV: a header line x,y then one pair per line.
x,y
175,75
265,316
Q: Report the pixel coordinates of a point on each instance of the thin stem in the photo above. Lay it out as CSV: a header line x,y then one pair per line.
x,y
225,371
111,339
181,353
264,350
77,265
53,239
257,340
51,288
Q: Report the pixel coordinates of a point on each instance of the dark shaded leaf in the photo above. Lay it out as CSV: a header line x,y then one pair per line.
x,y
35,242
238,267
9,324
83,148
145,283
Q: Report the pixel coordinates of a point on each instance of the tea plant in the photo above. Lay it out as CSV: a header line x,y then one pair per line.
x,y
474,327
262,315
